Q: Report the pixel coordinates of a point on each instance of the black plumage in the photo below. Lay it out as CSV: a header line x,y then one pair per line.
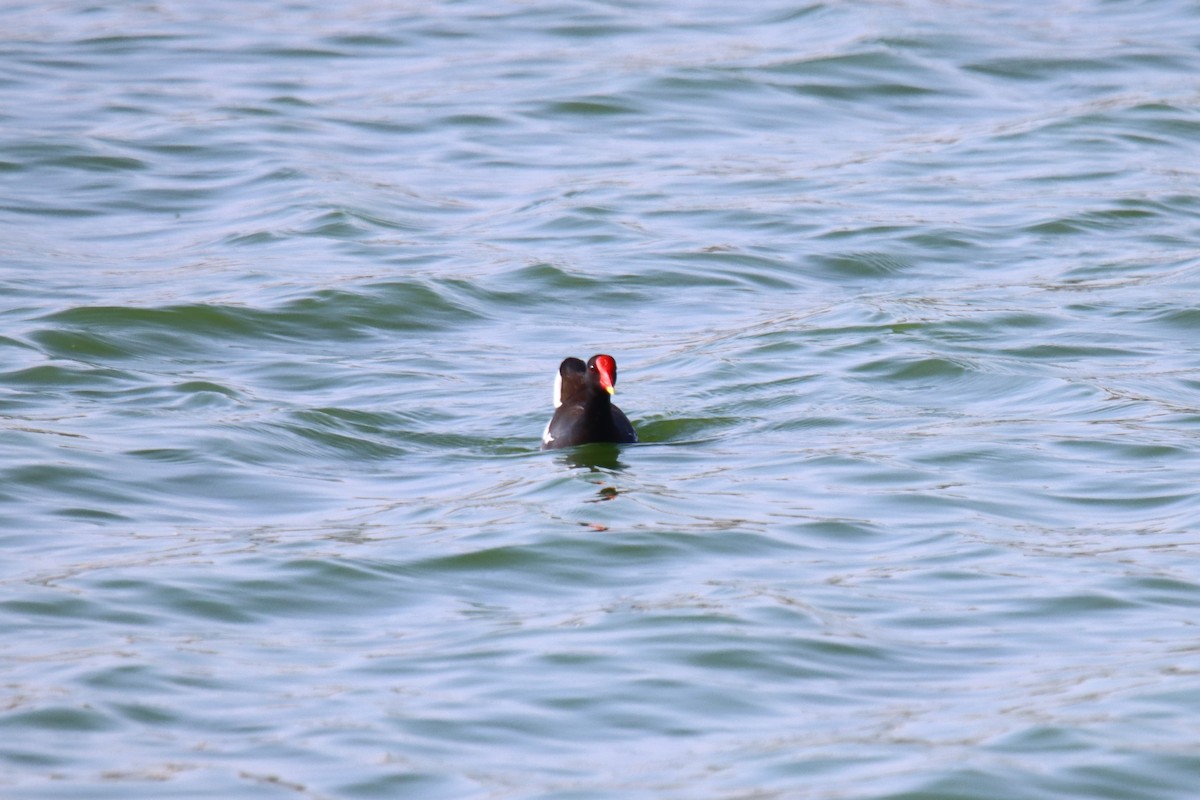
x,y
584,411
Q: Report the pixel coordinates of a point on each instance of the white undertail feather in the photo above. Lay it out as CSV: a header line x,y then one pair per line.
x,y
557,391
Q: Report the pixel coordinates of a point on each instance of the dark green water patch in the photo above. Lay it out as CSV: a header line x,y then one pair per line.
x,y
1077,606
95,515
95,163
365,39
207,603
1069,352
596,106
683,430
201,319
860,265
397,306
57,377
81,345
1168,591
917,369
145,714
334,435
61,719
1038,69
77,482
100,332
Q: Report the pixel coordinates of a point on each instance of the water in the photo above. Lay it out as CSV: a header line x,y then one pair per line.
x,y
905,301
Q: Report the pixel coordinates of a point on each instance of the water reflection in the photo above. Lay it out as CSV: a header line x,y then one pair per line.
x,y
595,457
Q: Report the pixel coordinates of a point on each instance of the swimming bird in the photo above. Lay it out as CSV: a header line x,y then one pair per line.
x,y
583,407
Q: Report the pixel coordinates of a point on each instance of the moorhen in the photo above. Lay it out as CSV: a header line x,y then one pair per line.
x,y
583,407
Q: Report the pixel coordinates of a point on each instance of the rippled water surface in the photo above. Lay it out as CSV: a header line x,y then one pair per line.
x,y
906,301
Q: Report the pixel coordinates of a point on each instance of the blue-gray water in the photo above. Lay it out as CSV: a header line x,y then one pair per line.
x,y
906,302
